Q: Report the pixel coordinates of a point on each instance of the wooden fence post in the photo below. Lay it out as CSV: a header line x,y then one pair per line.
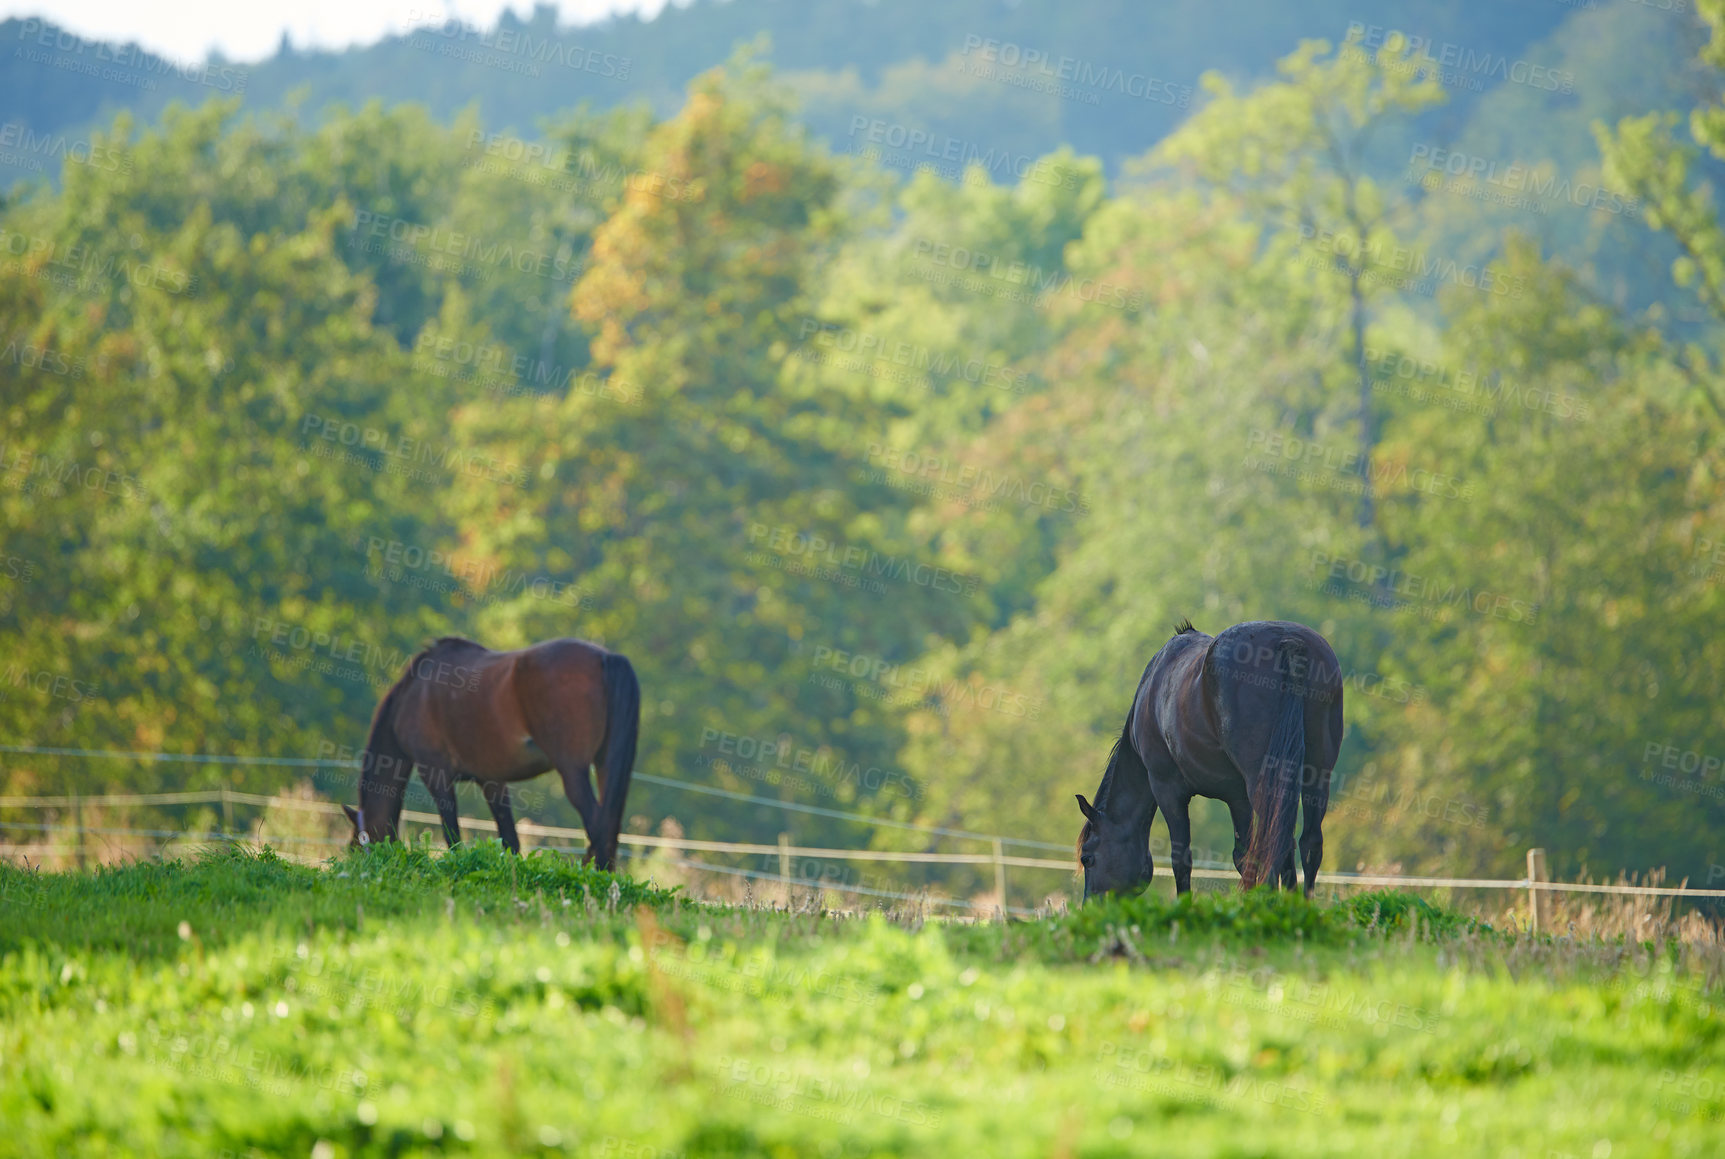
x,y
1535,872
785,865
78,825
227,813
1000,877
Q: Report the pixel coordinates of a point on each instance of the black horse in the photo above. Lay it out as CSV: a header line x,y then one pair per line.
x,y
1237,718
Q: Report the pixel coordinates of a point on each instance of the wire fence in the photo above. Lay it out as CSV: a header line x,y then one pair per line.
x,y
672,849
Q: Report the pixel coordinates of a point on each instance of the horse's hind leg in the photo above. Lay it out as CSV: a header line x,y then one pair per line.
x,y
1314,802
1324,727
578,787
1240,812
441,784
497,796
568,760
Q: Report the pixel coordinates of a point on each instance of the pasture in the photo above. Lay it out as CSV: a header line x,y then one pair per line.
x,y
400,1000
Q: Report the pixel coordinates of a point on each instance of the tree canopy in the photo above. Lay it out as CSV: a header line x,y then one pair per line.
x,y
889,486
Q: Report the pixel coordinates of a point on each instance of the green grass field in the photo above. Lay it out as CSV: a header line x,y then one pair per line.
x,y
400,1003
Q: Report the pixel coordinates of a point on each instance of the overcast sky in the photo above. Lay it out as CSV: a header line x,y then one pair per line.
x,y
249,30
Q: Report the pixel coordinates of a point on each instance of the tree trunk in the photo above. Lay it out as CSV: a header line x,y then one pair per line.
x,y
1367,505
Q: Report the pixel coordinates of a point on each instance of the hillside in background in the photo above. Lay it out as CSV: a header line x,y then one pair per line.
x,y
1386,351
946,68
981,82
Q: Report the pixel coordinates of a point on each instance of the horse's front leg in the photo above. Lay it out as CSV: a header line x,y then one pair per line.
x,y
1175,809
497,796
440,783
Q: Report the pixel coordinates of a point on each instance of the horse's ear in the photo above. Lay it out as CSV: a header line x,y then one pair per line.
x,y
1086,807
352,815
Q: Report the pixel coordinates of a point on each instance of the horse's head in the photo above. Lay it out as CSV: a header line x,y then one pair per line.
x,y
361,834
1114,855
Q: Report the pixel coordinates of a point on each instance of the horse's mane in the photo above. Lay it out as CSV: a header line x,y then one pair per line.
x,y
386,704
1102,793
1184,626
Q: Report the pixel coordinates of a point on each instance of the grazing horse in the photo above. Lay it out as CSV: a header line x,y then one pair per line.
x,y
461,712
1234,717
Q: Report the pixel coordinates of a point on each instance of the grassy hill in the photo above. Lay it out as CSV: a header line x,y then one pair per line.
x,y
242,1005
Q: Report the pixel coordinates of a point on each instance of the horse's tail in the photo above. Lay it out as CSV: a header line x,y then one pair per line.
x,y
384,765
1275,798
622,726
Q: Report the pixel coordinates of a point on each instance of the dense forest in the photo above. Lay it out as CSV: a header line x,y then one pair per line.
x,y
888,406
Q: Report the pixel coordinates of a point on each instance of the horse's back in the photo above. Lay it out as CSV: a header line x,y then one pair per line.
x,y
1255,664
484,711
560,685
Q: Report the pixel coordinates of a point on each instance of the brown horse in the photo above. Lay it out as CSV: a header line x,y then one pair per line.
x,y
461,712
1252,717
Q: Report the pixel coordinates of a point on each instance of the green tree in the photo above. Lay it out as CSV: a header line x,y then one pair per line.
x,y
699,490
1298,153
1645,156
